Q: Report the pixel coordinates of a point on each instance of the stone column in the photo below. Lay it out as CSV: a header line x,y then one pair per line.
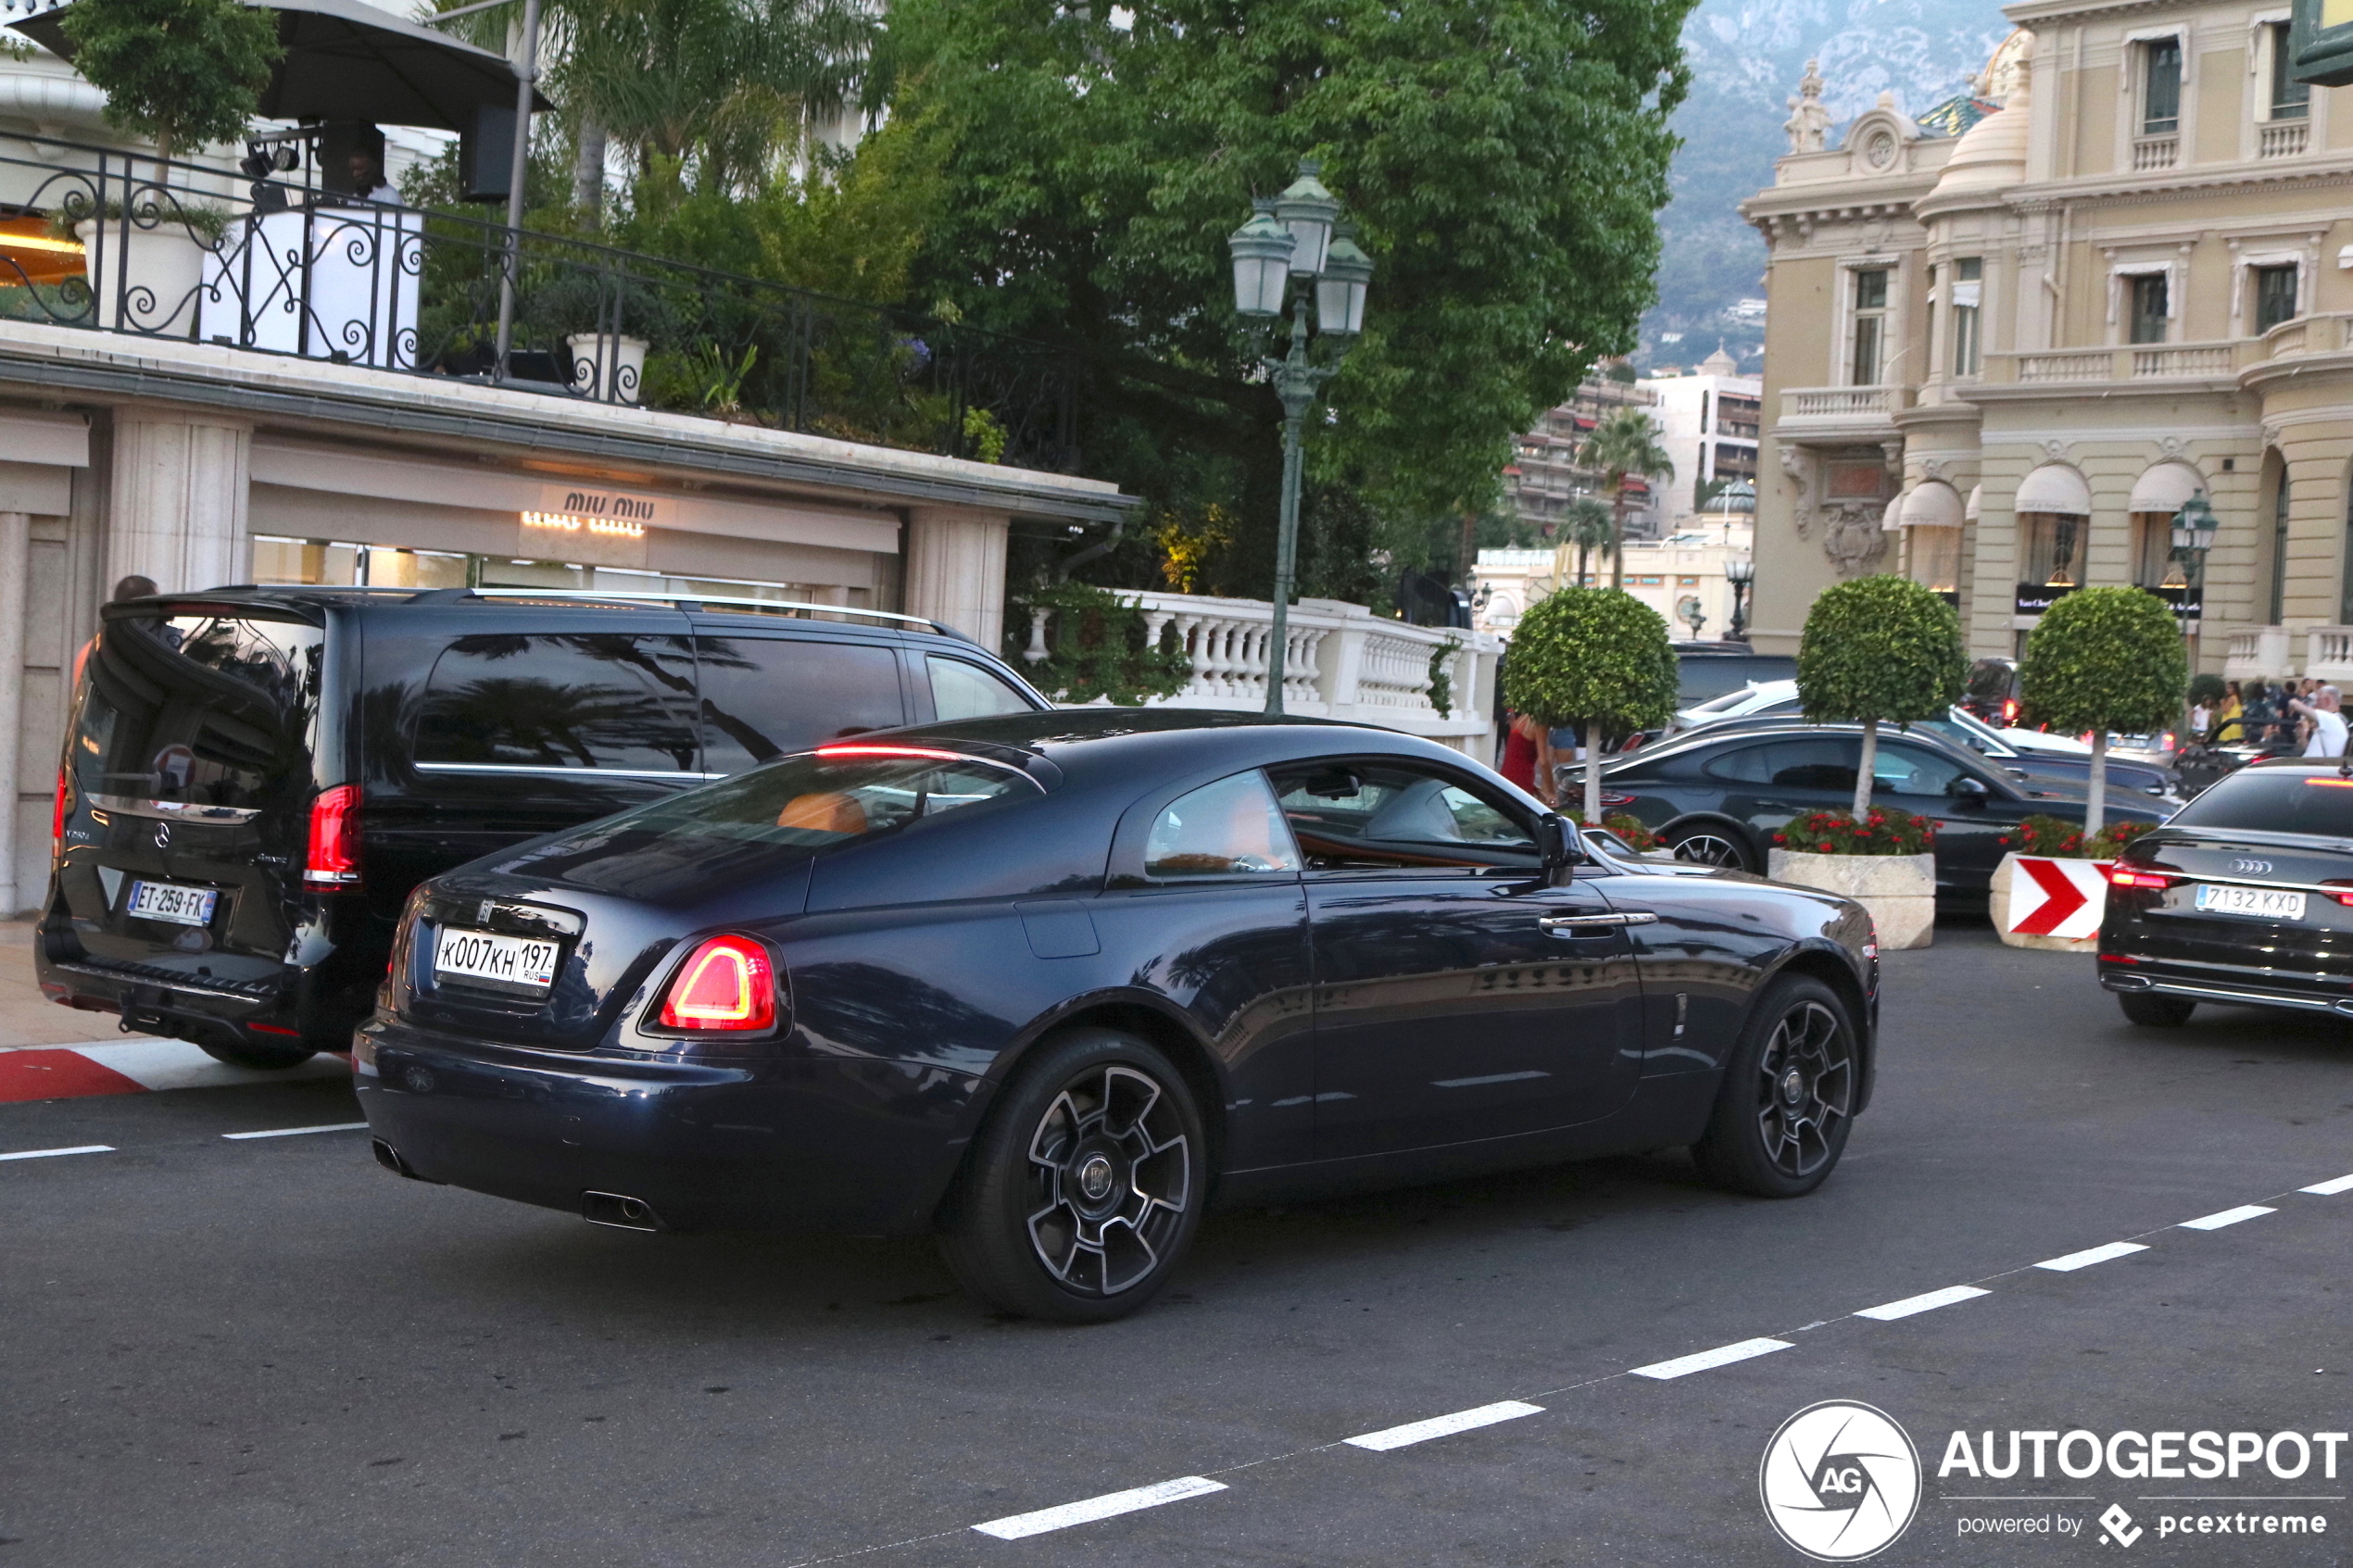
x,y
176,510
956,570
16,556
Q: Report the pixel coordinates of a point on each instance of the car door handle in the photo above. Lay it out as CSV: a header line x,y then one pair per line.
x,y
1577,924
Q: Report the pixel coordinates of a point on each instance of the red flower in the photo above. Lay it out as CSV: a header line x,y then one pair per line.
x,y
1826,849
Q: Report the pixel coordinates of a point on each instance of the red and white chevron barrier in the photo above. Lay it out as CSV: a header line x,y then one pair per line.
x,y
132,1066
2058,899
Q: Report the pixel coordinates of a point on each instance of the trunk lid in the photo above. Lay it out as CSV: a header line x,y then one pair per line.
x,y
2170,925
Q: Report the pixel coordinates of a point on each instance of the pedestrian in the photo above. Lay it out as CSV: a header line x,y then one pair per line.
x,y
2226,727
132,587
2328,723
1527,758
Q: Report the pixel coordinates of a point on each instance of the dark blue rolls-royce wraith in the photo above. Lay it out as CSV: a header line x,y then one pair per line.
x,y
1051,984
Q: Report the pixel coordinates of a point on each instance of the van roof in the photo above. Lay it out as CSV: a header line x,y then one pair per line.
x,y
748,610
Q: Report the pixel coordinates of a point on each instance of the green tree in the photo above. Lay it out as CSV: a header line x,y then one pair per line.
x,y
1595,659
180,73
2104,659
1880,649
1503,159
1623,445
1586,524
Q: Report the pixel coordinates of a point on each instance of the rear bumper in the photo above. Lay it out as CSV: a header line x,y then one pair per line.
x,y
854,1146
2216,984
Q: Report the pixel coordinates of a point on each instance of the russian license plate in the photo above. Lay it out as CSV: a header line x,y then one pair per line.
x,y
172,902
518,963
2262,903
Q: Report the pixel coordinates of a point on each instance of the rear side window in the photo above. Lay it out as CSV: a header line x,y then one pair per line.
x,y
1827,763
1230,828
208,710
2275,800
614,701
966,691
769,696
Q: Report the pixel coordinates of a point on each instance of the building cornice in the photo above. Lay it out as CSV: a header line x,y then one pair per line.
x,y
2100,190
2029,12
2271,375
43,361
2079,391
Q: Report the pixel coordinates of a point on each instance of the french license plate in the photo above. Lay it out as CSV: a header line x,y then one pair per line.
x,y
2262,903
516,963
174,903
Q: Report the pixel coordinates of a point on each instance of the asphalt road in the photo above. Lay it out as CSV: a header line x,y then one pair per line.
x,y
268,1352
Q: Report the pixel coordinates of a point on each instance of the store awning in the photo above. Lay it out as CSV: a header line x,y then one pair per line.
x,y
2164,487
347,61
1976,495
2054,487
1930,504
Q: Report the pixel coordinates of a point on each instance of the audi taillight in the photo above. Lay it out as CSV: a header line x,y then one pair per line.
x,y
58,813
333,860
727,983
2125,876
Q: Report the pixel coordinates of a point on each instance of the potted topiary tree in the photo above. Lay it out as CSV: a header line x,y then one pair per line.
x,y
1595,659
2104,659
182,72
1876,649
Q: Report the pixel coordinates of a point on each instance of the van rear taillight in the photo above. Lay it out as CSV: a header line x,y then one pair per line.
x,y
58,813
726,984
333,860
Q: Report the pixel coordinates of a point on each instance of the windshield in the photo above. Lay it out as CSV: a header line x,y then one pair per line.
x,y
785,811
203,710
2275,800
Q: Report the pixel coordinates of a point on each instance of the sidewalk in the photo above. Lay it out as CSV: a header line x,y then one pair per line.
x,y
27,1018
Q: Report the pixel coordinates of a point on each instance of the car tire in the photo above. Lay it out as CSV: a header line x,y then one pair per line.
x,y
2156,1012
1788,1094
1713,843
269,1058
1085,1184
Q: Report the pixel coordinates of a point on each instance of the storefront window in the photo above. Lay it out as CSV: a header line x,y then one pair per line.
x,y
2050,540
2152,563
340,564
1936,558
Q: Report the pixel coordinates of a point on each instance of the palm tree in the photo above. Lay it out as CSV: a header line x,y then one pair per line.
x,y
1623,445
1585,524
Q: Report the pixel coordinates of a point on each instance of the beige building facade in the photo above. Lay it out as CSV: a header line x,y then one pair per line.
x,y
2012,338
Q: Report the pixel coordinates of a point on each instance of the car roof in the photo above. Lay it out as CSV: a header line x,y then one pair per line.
x,y
1092,744
312,600
2312,764
1767,726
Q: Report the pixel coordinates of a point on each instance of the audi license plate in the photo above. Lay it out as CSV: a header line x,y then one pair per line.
x,y
172,902
2262,903
514,964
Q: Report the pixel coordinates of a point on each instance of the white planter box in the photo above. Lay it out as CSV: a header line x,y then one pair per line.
x,y
607,369
1899,890
2056,902
165,272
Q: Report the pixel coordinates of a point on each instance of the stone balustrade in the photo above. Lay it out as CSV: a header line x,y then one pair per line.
x,y
1341,661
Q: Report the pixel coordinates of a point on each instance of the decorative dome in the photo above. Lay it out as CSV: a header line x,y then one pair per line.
x,y
1720,363
1992,155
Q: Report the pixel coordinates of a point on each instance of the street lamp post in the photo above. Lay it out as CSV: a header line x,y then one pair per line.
x,y
2194,530
1298,235
1740,571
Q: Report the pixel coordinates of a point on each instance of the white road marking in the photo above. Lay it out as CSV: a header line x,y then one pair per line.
x,y
175,1064
297,1132
1723,1355
53,1153
2328,1189
1890,1311
2090,1256
1110,1505
1443,1425
2227,1217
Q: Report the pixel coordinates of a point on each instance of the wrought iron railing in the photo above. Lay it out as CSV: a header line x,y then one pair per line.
x,y
183,250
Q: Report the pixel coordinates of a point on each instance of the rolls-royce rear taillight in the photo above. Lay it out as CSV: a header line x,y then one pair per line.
x,y
727,983
58,813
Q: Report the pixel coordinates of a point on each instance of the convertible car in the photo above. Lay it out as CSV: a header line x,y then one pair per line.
x,y
1051,984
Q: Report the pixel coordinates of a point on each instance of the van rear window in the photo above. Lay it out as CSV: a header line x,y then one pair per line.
x,y
204,708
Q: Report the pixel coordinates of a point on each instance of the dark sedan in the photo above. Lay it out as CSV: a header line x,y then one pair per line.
x,y
1048,984
2241,897
1717,794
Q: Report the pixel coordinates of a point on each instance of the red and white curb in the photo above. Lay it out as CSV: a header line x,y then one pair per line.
x,y
135,1066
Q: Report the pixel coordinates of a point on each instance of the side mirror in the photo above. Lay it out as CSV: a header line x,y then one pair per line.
x,y
1967,791
1558,842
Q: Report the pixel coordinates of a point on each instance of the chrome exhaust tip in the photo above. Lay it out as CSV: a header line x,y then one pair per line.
x,y
617,1210
389,1158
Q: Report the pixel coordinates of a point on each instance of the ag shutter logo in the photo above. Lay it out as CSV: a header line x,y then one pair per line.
x,y
1840,1481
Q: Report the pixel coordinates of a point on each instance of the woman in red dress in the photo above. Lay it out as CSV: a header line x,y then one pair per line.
x,y
1527,758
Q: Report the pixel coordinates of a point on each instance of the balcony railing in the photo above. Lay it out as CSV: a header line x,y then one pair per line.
x,y
2328,653
2169,361
2282,138
2182,360
2152,153
1342,662
181,250
2257,653
2087,365
1838,402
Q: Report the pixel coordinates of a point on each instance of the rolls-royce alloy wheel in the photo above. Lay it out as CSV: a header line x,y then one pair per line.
x,y
1712,847
1085,1187
1788,1097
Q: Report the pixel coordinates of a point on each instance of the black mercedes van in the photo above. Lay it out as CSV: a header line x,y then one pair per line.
x,y
255,778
